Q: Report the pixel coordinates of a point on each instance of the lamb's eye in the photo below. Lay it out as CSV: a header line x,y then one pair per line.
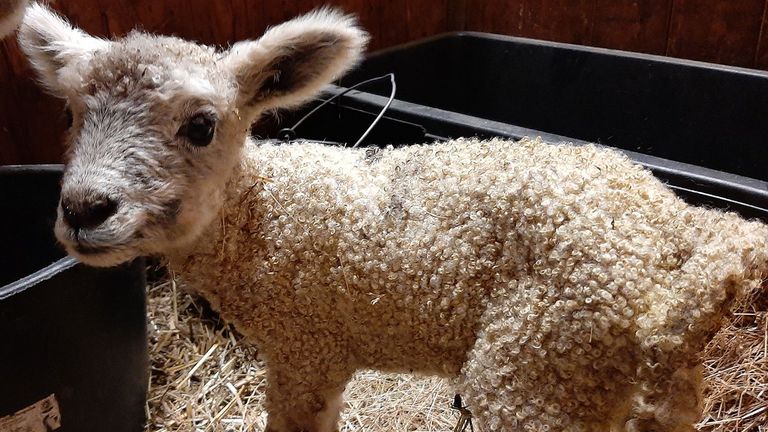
x,y
199,129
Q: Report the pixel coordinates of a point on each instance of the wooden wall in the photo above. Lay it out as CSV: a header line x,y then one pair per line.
x,y
721,31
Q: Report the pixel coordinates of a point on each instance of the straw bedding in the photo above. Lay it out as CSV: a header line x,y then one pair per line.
x,y
204,377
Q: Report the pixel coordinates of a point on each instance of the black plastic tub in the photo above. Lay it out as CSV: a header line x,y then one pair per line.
x,y
700,127
74,355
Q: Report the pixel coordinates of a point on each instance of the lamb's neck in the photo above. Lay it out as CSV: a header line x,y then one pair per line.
x,y
241,208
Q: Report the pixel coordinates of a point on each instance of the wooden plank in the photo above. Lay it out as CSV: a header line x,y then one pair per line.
x,y
639,25
457,15
559,20
716,31
554,20
761,56
100,17
424,19
8,152
368,12
404,20
31,122
495,16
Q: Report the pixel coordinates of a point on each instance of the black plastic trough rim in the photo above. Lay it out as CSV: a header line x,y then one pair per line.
x,y
573,47
46,168
52,269
679,176
37,277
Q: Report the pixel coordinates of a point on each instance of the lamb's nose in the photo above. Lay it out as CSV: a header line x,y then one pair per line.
x,y
89,212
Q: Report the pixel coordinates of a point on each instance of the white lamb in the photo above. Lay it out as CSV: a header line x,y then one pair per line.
x,y
565,288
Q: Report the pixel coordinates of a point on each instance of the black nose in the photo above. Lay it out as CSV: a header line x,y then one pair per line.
x,y
87,213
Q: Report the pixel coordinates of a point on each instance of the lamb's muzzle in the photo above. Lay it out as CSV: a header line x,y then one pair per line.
x,y
564,287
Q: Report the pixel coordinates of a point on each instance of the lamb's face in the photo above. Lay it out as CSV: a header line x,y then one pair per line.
x,y
158,123
155,132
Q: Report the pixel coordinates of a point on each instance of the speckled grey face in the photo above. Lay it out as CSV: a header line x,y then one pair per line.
x,y
127,181
158,123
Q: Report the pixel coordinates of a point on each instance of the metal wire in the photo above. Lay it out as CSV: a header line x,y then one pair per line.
x,y
289,132
383,110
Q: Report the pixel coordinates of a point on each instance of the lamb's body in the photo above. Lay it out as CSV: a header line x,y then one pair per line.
x,y
547,277
565,287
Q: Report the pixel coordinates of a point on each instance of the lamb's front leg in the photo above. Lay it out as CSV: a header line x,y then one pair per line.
x,y
305,400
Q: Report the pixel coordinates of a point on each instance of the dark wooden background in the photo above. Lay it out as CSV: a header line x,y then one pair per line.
x,y
722,31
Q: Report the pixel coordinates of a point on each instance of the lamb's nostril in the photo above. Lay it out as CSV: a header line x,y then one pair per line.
x,y
88,213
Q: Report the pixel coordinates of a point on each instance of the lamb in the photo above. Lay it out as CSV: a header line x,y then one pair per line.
x,y
564,288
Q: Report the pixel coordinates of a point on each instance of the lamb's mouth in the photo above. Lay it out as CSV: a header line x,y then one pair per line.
x,y
100,247
101,255
84,249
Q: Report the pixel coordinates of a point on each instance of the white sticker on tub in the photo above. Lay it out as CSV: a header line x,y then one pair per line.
x,y
42,416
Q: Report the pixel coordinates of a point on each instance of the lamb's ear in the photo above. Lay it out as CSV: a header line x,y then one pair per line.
x,y
293,61
53,45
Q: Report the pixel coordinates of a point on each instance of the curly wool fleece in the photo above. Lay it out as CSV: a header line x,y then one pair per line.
x,y
564,286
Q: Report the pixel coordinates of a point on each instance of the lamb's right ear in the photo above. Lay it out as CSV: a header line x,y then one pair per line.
x,y
53,46
294,60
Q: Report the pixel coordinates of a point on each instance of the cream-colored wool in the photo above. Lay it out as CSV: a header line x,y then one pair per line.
x,y
565,287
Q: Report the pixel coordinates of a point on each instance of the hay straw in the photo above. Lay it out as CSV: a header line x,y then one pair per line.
x,y
736,370
205,378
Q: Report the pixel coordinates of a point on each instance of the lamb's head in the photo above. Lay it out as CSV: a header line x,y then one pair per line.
x,y
158,123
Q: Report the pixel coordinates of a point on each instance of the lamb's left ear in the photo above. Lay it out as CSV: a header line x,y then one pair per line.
x,y
293,61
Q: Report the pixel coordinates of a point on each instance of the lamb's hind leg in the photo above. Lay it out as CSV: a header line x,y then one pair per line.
x,y
306,402
508,388
519,381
